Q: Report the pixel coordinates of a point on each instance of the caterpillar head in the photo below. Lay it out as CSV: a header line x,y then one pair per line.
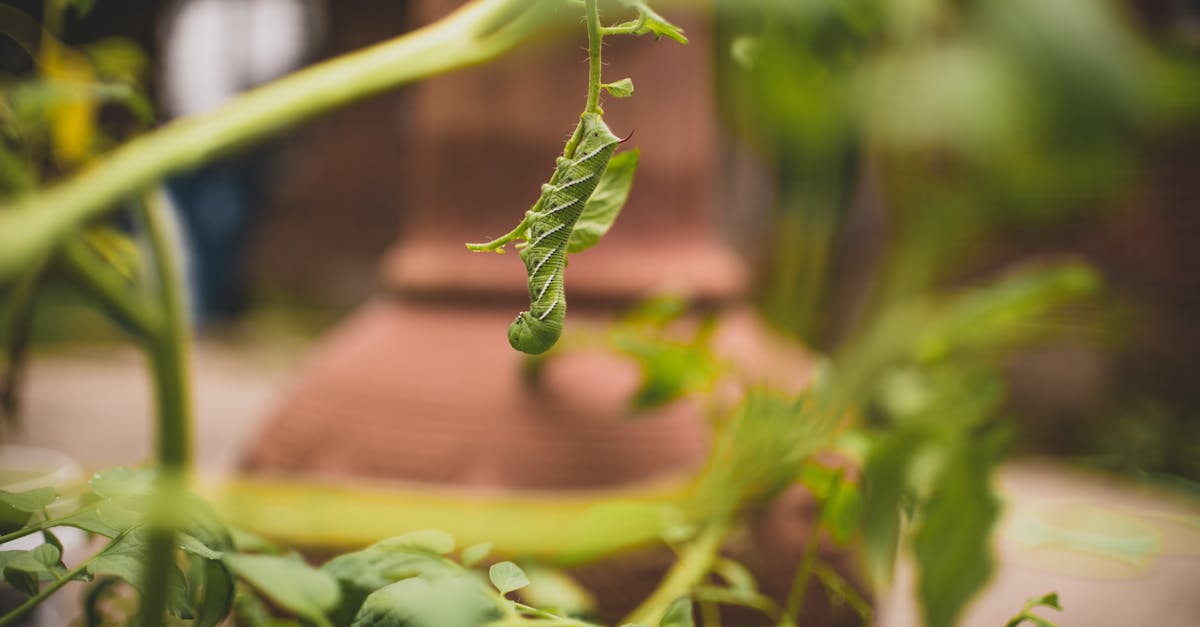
x,y
530,335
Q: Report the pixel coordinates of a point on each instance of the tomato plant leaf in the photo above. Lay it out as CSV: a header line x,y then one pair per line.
x,y
212,587
290,583
361,573
122,482
89,521
605,202
620,89
24,570
191,544
17,509
453,600
29,501
954,557
885,479
1049,600
507,577
842,511
125,558
652,22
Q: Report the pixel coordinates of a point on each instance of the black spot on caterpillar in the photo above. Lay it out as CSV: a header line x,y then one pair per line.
x,y
551,221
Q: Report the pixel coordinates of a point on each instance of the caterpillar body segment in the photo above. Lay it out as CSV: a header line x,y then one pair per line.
x,y
550,224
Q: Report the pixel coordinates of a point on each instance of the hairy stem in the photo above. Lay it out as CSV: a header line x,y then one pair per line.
x,y
476,32
595,41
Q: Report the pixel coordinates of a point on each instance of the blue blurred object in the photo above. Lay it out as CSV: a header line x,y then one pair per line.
x,y
217,205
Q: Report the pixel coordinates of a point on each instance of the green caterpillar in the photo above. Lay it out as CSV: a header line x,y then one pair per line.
x,y
550,223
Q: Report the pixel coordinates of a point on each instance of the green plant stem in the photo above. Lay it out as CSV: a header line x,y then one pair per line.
x,y
799,590
693,564
474,33
595,43
548,618
173,406
804,571
497,244
32,602
169,347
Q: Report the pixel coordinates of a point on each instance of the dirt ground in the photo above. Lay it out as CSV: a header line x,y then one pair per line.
x,y
1117,554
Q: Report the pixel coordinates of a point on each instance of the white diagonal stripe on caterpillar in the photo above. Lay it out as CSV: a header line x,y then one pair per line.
x,y
546,286
547,233
575,182
547,312
554,210
543,261
589,155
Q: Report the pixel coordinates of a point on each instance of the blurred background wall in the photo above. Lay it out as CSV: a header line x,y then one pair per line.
x,y
335,197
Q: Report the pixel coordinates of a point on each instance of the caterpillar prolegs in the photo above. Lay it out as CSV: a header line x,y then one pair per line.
x,y
550,223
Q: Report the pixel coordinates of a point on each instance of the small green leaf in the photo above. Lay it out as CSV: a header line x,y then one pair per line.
x,y
620,89
1049,600
476,553
605,203
679,614
507,577
652,22
289,582
24,570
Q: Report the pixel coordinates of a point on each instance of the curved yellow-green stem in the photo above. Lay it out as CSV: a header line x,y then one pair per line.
x,y
565,529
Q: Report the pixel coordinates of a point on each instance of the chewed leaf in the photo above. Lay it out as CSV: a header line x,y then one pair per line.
x,y
507,576
620,89
606,202
652,22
